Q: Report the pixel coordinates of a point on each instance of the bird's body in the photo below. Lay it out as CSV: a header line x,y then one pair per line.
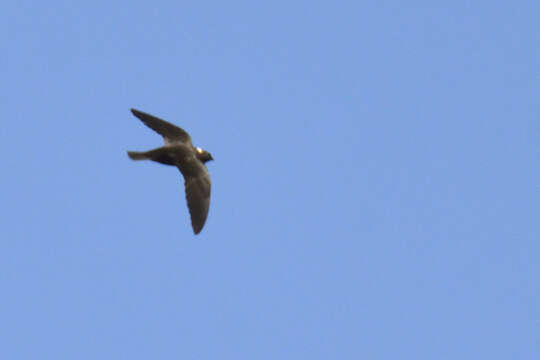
x,y
190,160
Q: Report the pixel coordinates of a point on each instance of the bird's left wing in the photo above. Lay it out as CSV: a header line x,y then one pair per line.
x,y
171,133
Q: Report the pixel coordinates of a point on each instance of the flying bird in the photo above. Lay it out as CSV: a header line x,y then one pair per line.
x,y
190,160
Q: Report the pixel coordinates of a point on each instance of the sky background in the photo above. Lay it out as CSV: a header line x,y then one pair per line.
x,y
376,183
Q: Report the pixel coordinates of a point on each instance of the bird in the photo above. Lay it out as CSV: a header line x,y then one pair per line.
x,y
190,160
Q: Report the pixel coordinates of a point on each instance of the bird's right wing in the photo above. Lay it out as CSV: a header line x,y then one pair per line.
x,y
198,198
171,133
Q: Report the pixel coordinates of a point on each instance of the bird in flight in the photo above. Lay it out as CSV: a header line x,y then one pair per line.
x,y
190,160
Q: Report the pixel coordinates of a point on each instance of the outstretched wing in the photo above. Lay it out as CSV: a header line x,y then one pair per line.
x,y
171,133
198,198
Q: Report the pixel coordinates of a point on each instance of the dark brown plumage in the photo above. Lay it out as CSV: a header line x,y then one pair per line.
x,y
190,160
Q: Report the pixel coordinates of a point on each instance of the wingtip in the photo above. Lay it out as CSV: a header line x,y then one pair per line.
x,y
196,231
197,228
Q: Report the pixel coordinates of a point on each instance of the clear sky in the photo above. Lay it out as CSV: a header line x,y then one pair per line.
x,y
376,183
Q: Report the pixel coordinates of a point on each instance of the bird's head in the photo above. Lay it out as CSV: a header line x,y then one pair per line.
x,y
203,155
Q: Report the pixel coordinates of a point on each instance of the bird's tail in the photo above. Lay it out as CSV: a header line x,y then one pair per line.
x,y
135,155
160,155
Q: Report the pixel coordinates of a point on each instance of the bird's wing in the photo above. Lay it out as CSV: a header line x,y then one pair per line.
x,y
198,198
171,133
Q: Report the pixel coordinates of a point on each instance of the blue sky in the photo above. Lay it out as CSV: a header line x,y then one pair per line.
x,y
375,184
